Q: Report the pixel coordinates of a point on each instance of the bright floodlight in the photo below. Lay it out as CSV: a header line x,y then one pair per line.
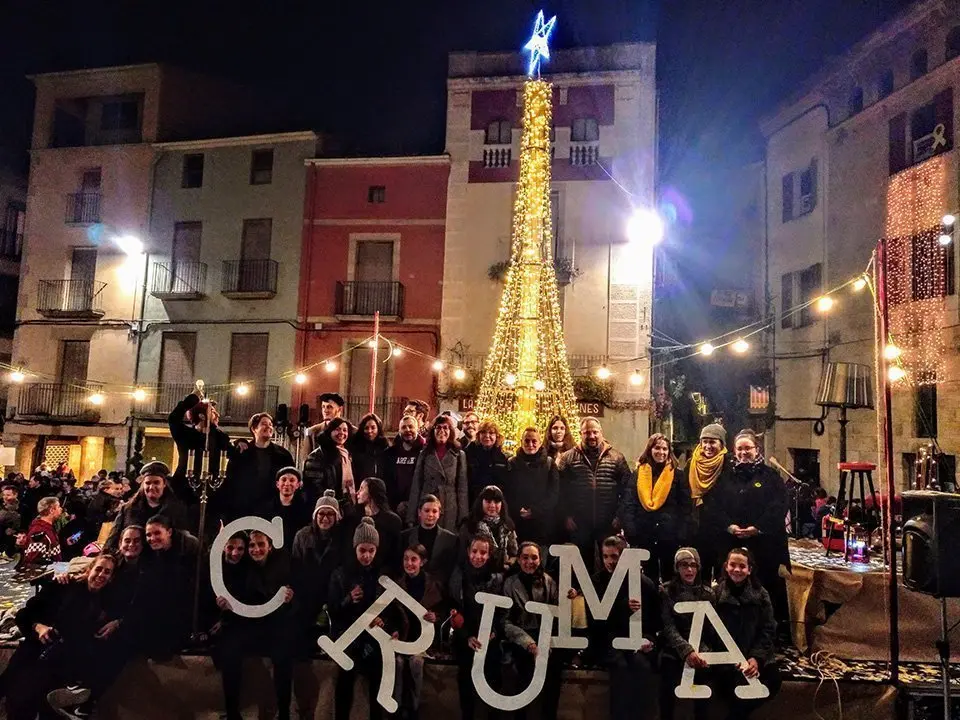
x,y
949,219
129,244
17,376
645,226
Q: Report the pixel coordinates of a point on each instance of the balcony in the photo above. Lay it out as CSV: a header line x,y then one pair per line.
x,y
249,279
179,281
82,208
11,244
497,156
363,299
161,399
585,364
236,409
56,402
70,298
390,409
585,153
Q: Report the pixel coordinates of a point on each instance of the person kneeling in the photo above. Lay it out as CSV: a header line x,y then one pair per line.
x,y
273,635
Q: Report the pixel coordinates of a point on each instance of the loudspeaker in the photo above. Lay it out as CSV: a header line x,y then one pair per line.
x,y
304,414
282,419
931,542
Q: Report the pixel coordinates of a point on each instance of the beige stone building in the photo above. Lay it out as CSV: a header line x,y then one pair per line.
x,y
866,150
604,137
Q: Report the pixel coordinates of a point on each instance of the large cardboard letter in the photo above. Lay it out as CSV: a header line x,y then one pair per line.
x,y
572,564
389,648
753,690
490,603
273,530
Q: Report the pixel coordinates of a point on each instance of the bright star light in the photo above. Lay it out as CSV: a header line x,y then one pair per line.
x,y
537,45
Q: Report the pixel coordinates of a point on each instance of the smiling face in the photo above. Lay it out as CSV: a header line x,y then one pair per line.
x,y
470,424
611,556
488,438
100,573
688,571
258,548
660,451
153,486
709,447
287,485
530,559
738,567
263,430
441,433
330,410
409,427
131,544
159,538
479,553
339,434
234,551
370,430
429,515
9,496
592,434
745,449
412,563
491,508
326,519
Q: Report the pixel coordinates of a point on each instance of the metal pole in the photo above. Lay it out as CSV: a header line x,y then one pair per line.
x,y
373,360
894,599
843,435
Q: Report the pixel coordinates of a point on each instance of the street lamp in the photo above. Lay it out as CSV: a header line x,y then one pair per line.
x,y
645,226
130,244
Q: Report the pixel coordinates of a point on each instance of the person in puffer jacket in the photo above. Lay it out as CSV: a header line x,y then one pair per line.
x,y
674,637
593,476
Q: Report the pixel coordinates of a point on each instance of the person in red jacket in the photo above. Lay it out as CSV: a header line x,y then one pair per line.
x,y
41,544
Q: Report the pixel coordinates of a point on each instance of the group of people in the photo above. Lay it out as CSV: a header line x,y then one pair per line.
x,y
443,511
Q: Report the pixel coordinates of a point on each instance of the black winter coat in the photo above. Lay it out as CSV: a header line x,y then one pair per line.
x,y
617,624
533,483
675,634
484,467
314,558
668,526
748,614
591,494
343,611
465,583
323,470
368,458
398,466
137,511
71,609
249,486
295,516
189,438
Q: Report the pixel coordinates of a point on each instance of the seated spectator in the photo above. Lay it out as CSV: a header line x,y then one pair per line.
x,y
630,671
440,544
745,609
289,505
522,627
41,544
9,520
353,588
372,502
272,635
153,498
431,594
476,572
399,462
686,586
60,626
368,447
103,506
489,516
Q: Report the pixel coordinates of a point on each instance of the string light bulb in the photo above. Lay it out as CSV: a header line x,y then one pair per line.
x,y
242,390
438,365
740,346
396,352
139,394
948,219
372,342
96,399
539,385
330,366
891,352
300,378
459,374
17,376
706,349
896,373
636,378
510,380
859,284
825,303
945,239
603,373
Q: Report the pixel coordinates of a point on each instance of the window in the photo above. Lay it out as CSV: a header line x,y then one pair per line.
x,y
798,288
856,100
925,253
800,192
11,240
925,411
192,171
74,358
248,358
261,167
918,63
953,43
178,352
925,132
377,193
119,115
885,84
499,132
585,130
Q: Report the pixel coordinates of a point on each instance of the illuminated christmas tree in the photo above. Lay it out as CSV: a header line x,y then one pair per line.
x,y
527,377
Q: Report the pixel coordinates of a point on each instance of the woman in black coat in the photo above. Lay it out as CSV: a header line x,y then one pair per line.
x,y
532,490
329,466
367,447
655,510
486,463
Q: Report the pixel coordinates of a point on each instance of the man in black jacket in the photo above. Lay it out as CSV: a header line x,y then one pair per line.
x,y
399,460
253,471
188,424
593,476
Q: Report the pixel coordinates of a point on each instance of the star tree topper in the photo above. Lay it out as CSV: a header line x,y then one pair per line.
x,y
537,45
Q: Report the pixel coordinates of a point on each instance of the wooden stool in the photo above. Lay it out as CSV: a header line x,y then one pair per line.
x,y
860,475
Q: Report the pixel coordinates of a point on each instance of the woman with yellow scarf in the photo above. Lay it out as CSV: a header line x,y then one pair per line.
x,y
655,511
708,467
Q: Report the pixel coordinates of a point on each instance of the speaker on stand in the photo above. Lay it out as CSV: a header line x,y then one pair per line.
x,y
931,563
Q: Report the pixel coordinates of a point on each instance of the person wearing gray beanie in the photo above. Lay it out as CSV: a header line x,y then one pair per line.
x,y
327,500
714,431
366,533
686,554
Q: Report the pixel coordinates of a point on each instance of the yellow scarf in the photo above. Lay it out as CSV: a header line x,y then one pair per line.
x,y
704,473
652,497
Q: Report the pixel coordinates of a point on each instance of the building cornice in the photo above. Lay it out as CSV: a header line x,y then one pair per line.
x,y
369,161
268,139
86,72
568,79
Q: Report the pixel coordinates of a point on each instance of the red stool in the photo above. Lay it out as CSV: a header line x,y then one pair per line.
x,y
860,475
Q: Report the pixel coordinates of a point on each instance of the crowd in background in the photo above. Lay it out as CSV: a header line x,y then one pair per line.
x,y
441,509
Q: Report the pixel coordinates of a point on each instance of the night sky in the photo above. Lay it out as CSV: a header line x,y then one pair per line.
x,y
373,73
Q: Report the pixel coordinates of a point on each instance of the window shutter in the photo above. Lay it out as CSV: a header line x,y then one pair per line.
x,y
786,300
788,197
813,182
898,143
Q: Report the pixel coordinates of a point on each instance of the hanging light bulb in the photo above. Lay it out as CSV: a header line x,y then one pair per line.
x,y
636,378
242,390
896,373
539,385
824,303
949,219
438,365
859,284
459,374
300,378
945,239
706,349
372,342
603,372
510,379
741,346
139,394
397,352
891,352
17,376
96,399
329,366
